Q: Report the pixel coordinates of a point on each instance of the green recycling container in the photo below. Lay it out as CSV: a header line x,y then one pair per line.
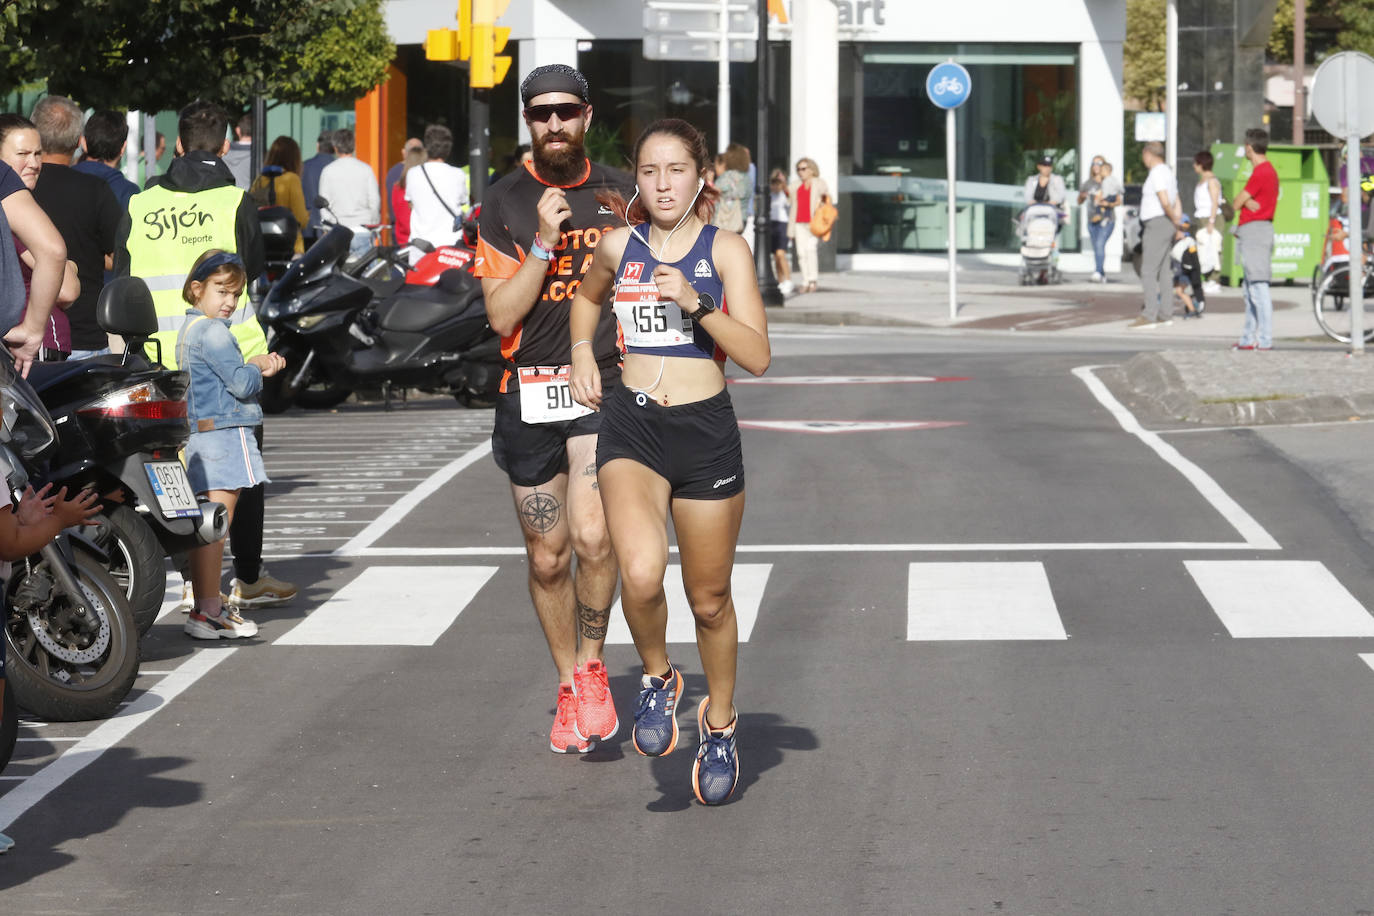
x,y
1300,219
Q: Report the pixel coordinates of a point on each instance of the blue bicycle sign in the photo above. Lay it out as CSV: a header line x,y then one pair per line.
x,y
948,85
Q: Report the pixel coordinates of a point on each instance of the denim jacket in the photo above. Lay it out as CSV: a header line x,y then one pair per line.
x,y
224,389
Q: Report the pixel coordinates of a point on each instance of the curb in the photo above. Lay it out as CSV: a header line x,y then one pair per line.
x,y
781,314
1153,378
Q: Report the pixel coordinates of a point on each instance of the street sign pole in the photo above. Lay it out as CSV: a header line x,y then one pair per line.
x,y
1353,206
949,195
763,197
723,76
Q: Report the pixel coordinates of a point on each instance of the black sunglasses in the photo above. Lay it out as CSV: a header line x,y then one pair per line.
x,y
566,111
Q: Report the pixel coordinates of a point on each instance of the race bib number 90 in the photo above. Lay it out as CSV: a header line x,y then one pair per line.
x,y
545,396
648,321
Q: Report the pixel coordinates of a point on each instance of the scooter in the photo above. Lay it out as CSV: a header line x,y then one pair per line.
x,y
344,328
70,642
121,423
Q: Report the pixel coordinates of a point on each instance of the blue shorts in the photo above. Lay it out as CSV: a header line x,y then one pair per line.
x,y
224,459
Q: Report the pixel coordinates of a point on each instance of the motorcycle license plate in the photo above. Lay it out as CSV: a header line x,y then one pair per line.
x,y
172,489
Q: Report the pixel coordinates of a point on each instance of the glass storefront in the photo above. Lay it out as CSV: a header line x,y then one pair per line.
x,y
892,139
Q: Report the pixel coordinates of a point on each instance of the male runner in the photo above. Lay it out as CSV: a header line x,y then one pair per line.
x,y
539,226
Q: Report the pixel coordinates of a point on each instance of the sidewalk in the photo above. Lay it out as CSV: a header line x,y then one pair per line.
x,y
1189,371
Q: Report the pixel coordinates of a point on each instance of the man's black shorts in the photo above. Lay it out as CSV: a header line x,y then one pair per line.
x,y
532,454
695,447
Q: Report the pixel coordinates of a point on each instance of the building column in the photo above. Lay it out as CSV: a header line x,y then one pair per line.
x,y
815,95
1100,126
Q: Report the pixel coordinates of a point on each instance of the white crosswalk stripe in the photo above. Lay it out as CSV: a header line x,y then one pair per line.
x,y
747,585
1279,598
981,601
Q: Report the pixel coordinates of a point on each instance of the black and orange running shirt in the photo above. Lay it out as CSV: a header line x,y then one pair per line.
x,y
509,220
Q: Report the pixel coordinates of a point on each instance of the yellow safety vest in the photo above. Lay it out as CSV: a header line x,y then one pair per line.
x,y
168,230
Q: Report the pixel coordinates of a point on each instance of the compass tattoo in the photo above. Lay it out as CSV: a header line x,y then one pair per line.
x,y
593,622
540,511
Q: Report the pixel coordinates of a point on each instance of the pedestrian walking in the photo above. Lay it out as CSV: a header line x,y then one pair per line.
x,y
778,212
436,191
1160,215
732,182
806,195
686,297
1206,210
279,185
103,141
539,226
1254,207
350,187
222,455
239,158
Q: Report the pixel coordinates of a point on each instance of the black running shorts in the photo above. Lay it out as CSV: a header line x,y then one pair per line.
x,y
695,447
532,454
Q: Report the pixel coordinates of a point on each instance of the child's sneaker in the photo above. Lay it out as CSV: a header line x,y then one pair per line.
x,y
596,719
655,731
187,604
716,770
265,592
227,624
563,739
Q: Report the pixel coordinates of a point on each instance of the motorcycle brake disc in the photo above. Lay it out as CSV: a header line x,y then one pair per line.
x,y
58,650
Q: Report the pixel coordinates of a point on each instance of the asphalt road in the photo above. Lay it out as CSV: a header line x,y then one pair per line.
x,y
1004,651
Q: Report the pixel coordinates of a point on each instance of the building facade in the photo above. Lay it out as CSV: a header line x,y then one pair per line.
x,y
847,90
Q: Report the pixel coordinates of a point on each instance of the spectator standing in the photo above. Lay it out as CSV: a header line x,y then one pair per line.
x,y
84,210
436,191
732,181
778,211
806,195
103,141
22,221
1088,192
350,186
1255,241
400,207
285,155
229,223
240,155
1206,209
393,174
1045,187
1160,215
310,181
22,151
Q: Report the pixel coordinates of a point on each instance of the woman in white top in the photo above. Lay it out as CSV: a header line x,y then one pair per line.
x,y
1206,209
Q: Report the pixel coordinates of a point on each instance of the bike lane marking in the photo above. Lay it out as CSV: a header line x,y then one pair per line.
x,y
107,734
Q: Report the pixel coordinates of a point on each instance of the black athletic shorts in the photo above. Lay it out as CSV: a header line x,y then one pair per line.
x,y
532,454
777,234
695,447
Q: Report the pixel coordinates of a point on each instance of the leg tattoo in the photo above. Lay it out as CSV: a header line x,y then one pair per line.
x,y
539,512
593,622
591,472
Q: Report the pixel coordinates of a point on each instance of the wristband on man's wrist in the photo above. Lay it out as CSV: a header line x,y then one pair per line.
x,y
538,249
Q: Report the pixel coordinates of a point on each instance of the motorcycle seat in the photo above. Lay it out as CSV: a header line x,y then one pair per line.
x,y
419,308
43,376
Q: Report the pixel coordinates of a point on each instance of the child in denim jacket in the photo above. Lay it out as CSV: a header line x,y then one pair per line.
x,y
222,455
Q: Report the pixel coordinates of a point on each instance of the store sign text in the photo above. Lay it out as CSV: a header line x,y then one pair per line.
x,y
858,12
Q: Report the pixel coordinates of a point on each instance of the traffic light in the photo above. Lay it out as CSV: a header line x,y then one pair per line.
x,y
489,65
452,44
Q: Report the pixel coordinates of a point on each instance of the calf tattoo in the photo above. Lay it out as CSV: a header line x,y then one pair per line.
x,y
540,511
591,472
593,622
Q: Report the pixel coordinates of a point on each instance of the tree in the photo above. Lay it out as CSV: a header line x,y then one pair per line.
x,y
1145,63
159,54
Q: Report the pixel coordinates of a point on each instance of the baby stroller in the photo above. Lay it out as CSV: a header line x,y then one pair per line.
x,y
1039,232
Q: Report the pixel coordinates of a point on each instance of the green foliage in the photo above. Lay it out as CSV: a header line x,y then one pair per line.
x,y
1357,26
1145,54
1281,34
159,54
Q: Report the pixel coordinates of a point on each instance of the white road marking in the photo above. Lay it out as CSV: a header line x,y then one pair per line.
x,y
1368,658
844,379
982,601
746,585
107,734
391,606
844,426
1251,530
1257,599
388,519
847,548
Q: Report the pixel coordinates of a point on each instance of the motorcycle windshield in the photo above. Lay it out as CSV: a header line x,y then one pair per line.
x,y
318,261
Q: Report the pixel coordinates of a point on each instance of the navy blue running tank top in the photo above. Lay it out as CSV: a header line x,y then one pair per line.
x,y
658,327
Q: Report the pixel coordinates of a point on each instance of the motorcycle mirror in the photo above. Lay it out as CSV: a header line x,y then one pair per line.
x,y
422,245
320,202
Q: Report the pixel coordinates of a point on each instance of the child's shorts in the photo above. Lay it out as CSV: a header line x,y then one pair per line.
x,y
224,459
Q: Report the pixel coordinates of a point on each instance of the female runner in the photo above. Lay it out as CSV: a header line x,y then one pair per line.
x,y
686,297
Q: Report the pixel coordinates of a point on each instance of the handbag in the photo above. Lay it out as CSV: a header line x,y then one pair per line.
x,y
457,220
1228,212
823,220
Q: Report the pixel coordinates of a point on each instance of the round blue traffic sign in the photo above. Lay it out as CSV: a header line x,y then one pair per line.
x,y
948,85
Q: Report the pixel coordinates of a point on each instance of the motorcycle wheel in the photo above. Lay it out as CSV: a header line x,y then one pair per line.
x,y
56,673
272,397
9,724
321,398
135,562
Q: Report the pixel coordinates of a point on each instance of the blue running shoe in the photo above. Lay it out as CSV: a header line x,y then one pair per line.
x,y
655,731
716,770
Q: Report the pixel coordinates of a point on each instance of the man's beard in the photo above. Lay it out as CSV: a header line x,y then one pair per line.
x,y
559,166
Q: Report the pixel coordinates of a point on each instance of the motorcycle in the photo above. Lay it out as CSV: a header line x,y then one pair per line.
x,y
342,328
122,421
70,640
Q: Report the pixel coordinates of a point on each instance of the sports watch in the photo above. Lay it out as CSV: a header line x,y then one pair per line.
x,y
705,306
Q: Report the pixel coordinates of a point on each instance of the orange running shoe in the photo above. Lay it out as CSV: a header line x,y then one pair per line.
x,y
563,738
596,719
